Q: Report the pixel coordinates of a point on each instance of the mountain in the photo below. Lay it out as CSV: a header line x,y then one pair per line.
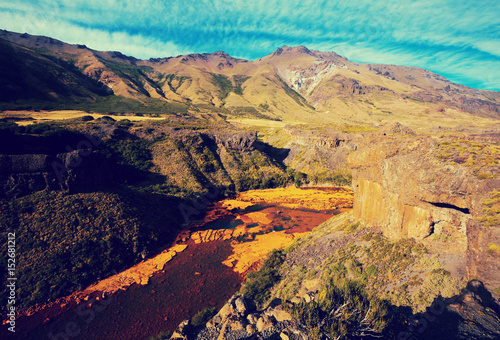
x,y
28,75
91,195
291,84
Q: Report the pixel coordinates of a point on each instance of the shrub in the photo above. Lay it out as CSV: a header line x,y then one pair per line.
x,y
438,283
223,83
493,249
484,175
129,153
348,227
259,283
481,157
203,316
87,118
343,310
10,127
491,212
42,129
162,336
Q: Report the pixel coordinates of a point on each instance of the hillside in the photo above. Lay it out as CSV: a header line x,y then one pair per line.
x,y
293,84
71,208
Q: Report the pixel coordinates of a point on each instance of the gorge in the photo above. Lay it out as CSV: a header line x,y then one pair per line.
x,y
295,196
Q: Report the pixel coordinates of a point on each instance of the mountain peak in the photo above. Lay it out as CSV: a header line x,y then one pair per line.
x,y
221,54
303,49
288,49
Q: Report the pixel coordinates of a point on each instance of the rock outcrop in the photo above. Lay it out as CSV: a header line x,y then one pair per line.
x,y
314,152
472,314
240,319
403,187
24,174
240,141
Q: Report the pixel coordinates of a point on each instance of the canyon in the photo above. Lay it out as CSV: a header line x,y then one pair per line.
x,y
205,196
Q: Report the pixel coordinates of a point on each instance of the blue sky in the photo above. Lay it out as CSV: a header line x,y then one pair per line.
x,y
457,39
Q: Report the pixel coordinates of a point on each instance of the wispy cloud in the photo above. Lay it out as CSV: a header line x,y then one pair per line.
x,y
459,39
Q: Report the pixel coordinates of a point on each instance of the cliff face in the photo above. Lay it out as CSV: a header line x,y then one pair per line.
x,y
24,174
319,154
405,186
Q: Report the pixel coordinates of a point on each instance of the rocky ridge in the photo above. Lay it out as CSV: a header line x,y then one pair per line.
x,y
403,185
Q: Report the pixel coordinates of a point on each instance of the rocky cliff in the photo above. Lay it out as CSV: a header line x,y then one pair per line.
x,y
320,153
431,188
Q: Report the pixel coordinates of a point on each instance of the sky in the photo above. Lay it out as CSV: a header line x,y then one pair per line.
x,y
458,39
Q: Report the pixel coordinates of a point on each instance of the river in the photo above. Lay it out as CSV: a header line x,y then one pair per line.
x,y
194,279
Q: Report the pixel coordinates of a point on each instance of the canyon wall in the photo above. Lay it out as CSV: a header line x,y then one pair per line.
x,y
405,188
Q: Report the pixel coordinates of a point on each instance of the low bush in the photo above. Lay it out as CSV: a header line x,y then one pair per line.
x,y
162,336
491,213
203,316
259,283
129,153
343,309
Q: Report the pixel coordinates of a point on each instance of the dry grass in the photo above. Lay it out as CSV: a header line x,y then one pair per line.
x,y
491,212
292,197
44,116
261,122
482,158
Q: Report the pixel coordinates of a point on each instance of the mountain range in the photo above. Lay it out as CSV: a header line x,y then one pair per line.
x,y
292,84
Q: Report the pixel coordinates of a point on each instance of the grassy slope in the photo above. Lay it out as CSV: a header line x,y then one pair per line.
x,y
342,261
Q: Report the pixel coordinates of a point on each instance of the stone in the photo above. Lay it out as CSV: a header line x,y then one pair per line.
x,y
280,314
224,312
264,323
252,318
241,305
183,326
223,331
251,329
284,336
236,325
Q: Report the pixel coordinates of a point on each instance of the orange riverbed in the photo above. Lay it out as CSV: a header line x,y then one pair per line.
x,y
248,227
